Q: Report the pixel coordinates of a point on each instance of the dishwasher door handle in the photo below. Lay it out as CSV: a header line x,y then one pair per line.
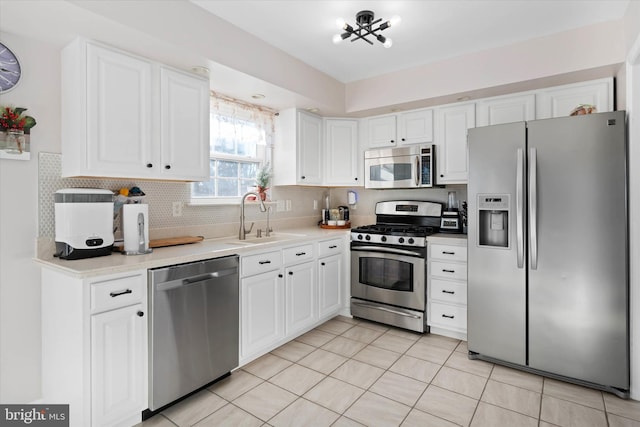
x,y
196,279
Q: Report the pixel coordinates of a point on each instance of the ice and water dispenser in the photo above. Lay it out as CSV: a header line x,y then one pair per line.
x,y
493,220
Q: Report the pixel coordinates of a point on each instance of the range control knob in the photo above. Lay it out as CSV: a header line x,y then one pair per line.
x,y
383,238
411,241
359,236
401,240
367,237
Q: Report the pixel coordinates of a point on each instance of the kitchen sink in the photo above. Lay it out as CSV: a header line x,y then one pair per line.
x,y
252,240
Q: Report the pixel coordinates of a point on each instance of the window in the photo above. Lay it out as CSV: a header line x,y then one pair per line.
x,y
240,142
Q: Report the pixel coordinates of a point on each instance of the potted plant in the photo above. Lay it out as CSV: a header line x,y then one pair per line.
x,y
263,177
15,124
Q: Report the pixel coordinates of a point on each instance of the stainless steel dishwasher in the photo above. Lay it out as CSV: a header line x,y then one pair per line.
x,y
194,326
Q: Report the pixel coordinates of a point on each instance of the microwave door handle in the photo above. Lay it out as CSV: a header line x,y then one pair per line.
x,y
417,174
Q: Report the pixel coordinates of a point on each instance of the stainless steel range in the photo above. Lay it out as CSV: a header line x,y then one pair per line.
x,y
389,264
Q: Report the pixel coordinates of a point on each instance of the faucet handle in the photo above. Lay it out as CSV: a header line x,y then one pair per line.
x,y
259,232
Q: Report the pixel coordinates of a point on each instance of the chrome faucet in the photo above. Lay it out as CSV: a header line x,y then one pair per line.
x,y
242,235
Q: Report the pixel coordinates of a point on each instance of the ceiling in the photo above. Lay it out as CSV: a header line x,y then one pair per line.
x,y
430,31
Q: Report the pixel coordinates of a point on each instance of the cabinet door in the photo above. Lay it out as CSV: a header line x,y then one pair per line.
x,y
452,124
300,296
341,152
119,114
382,132
330,285
559,102
309,146
496,111
262,312
415,127
118,365
184,123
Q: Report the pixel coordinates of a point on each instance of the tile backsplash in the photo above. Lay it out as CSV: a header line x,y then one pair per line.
x,y
209,221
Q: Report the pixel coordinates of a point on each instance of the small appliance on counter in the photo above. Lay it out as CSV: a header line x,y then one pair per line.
x,y
135,229
451,221
83,223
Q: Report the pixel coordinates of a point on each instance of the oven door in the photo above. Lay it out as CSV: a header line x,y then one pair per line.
x,y
388,275
392,172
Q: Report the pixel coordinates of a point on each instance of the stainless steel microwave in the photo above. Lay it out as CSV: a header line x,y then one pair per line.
x,y
412,166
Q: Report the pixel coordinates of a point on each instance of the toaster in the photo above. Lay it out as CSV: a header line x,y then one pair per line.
x,y
83,223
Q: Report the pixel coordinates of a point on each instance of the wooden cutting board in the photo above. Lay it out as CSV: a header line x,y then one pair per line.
x,y
172,241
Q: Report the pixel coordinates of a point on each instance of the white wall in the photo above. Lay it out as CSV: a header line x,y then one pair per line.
x,y
38,91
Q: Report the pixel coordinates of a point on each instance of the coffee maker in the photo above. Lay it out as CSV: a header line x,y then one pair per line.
x,y
451,221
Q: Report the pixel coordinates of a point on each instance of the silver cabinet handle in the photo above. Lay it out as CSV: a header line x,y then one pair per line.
x,y
520,207
533,208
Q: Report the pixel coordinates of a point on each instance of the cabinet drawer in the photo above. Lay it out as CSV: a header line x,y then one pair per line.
x,y
330,247
450,291
297,254
448,252
449,270
449,316
117,292
260,263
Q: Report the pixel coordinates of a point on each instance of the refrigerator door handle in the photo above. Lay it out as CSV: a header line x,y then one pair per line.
x,y
533,208
520,207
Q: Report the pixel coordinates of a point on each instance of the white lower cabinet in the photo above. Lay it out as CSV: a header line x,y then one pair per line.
x,y
330,270
94,346
447,285
262,312
286,292
117,364
301,301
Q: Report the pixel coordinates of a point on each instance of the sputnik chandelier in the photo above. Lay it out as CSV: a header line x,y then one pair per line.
x,y
366,23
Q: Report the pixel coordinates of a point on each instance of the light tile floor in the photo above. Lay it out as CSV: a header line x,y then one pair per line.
x,y
350,372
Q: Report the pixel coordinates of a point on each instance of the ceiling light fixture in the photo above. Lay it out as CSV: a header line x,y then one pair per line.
x,y
366,23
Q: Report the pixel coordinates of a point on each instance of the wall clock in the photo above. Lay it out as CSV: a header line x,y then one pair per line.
x,y
10,71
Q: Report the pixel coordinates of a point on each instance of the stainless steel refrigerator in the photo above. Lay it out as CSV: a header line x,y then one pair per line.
x,y
548,248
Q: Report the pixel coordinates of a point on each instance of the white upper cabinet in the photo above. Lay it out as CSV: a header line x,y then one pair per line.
x,y
341,152
505,109
184,122
382,132
127,117
451,125
297,156
413,127
560,101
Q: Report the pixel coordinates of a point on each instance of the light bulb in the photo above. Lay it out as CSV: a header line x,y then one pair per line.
x,y
337,39
387,43
395,20
340,23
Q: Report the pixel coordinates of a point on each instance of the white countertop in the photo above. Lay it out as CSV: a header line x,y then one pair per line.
x,y
448,238
160,257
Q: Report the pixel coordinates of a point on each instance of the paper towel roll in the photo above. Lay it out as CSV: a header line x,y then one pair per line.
x,y
135,228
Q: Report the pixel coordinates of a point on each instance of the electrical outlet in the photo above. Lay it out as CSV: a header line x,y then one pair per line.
x,y
177,208
280,206
315,205
288,202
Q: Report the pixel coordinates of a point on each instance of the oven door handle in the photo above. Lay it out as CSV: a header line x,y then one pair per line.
x,y
384,250
389,310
